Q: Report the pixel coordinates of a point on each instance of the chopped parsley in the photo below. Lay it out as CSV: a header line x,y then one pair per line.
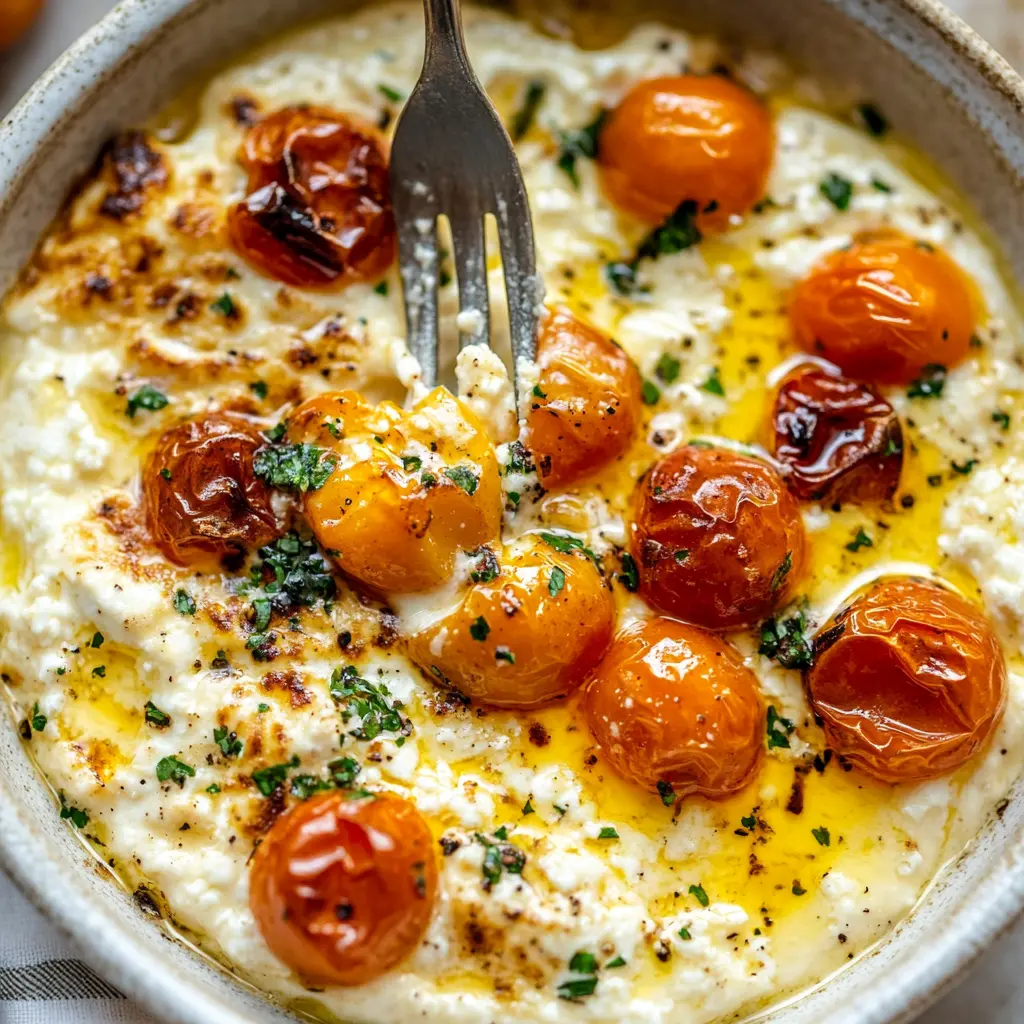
x,y
304,786
487,567
260,389
147,398
213,789
823,836
749,822
930,384
861,540
262,708
630,575
581,142
528,807
519,459
229,743
295,467
681,555
155,717
412,463
370,703
225,305
75,815
464,477
504,654
344,771
269,778
679,231
837,190
713,385
38,719
97,640
584,965
390,93
880,186
963,468
524,117
684,934
537,393
667,793
786,641
173,770
556,581
608,832
165,473
564,543
650,392
100,670
291,571
381,288
617,962
622,277
1002,418
697,891
499,857
798,889
479,629
667,370
780,574
778,728
184,603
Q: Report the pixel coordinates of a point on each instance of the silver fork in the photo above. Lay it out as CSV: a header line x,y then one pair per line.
x,y
451,156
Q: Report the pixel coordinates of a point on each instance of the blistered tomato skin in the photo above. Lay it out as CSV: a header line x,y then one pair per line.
x,y
343,888
839,440
909,681
697,137
718,538
672,703
318,212
409,489
884,309
204,506
586,406
527,636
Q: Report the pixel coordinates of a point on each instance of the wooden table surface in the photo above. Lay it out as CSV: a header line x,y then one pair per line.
x,y
993,993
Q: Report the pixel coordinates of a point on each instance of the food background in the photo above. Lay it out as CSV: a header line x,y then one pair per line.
x,y
992,994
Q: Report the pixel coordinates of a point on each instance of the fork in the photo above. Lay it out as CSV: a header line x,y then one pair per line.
x,y
452,157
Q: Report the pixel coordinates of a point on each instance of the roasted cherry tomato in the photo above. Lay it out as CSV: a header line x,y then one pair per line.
x,y
528,631
586,406
909,681
697,137
16,17
409,489
718,539
318,212
343,887
884,309
674,709
840,440
204,505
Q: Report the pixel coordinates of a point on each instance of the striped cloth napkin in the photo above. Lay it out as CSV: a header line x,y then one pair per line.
x,y
41,979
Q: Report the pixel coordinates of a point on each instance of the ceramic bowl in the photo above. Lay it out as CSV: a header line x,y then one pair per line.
x,y
941,86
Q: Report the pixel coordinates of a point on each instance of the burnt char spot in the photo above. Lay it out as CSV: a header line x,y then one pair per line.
x,y
146,902
823,641
388,632
245,110
296,226
449,844
136,167
796,795
539,735
272,808
289,682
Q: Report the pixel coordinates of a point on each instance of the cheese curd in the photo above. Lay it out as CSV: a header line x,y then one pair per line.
x,y
178,712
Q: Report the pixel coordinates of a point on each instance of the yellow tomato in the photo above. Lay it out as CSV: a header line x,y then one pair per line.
x,y
409,489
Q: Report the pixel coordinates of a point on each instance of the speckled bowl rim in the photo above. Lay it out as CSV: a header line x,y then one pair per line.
x,y
34,128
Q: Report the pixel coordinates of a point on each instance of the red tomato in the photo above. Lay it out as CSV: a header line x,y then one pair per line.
x,y
718,539
204,505
674,709
840,440
697,137
318,213
343,887
884,309
909,681
586,407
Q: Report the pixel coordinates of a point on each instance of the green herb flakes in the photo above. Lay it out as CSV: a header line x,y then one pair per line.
x,y
155,717
38,719
667,370
630,575
184,603
837,190
147,398
608,832
580,143
464,477
650,392
1002,418
697,891
229,743
678,232
391,94
225,306
684,934
479,629
667,793
822,835
96,641
556,581
860,540
931,382
370,703
713,385
523,119
75,815
780,574
787,642
779,729
259,388
295,467
173,770
269,778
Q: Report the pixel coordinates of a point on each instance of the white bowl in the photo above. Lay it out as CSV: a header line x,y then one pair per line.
x,y
941,86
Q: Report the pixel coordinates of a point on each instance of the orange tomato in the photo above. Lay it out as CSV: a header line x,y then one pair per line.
x,y
697,137
674,709
718,539
342,887
884,309
318,212
586,406
909,681
409,489
16,17
839,440
526,636
203,504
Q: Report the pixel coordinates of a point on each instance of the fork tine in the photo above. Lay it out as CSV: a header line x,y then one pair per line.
x,y
418,256
470,254
519,264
